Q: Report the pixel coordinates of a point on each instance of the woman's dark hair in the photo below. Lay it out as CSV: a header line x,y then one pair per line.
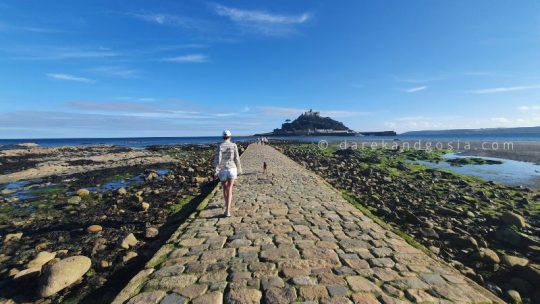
x,y
226,137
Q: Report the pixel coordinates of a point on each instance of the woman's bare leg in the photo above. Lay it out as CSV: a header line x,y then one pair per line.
x,y
225,186
229,195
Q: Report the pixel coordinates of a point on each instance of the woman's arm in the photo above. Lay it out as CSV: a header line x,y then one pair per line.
x,y
237,159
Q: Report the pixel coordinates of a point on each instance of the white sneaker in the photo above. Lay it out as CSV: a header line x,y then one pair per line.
x,y
227,214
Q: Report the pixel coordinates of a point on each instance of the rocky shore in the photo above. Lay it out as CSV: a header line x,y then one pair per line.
x,y
77,222
488,231
526,151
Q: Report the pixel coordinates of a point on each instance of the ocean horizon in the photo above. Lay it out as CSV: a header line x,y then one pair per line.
x,y
141,142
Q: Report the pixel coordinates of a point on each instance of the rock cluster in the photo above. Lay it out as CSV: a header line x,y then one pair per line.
x,y
90,213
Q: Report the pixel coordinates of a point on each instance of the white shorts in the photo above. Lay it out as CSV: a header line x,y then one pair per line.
x,y
227,173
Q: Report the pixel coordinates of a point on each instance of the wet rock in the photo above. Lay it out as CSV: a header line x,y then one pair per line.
x,y
122,191
100,244
104,264
10,237
74,200
94,229
62,274
490,256
129,241
151,232
130,255
511,260
13,272
28,273
514,296
513,219
469,214
429,233
8,191
199,179
151,176
83,192
467,242
510,236
41,259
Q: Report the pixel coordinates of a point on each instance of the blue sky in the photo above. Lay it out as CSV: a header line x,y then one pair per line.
x,y
108,68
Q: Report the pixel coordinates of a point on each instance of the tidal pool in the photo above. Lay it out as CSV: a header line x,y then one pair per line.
x,y
25,190
509,172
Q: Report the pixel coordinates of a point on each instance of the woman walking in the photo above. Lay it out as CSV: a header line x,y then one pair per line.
x,y
227,167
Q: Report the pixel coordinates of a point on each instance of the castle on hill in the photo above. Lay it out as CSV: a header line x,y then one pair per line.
x,y
311,123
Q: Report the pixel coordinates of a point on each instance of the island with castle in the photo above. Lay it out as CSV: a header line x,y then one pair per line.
x,y
311,123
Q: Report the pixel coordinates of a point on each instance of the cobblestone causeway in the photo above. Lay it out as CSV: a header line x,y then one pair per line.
x,y
292,238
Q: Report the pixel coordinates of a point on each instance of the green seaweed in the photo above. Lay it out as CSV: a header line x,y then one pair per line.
x,y
118,177
56,189
174,208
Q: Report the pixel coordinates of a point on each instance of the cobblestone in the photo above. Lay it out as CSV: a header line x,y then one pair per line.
x,y
292,239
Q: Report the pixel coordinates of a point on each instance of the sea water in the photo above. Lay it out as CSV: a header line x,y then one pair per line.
x,y
509,172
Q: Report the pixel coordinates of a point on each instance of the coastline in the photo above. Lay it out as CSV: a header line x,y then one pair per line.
x,y
526,151
168,177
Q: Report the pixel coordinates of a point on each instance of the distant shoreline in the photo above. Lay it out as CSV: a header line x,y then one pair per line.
x,y
523,149
527,151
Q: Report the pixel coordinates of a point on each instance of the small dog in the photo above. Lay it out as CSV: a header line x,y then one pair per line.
x,y
265,167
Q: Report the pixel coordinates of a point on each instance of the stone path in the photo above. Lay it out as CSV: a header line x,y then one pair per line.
x,y
292,238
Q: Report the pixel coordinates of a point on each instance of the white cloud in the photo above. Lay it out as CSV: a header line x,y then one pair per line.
x,y
479,73
29,29
507,89
47,52
68,77
47,124
225,114
174,47
115,106
187,23
149,107
116,71
240,15
423,78
262,21
415,89
192,58
529,108
415,123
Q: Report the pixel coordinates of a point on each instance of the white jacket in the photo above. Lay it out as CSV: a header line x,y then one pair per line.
x,y
227,157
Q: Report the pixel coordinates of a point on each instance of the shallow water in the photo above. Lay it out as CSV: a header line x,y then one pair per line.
x,y
25,193
16,185
510,172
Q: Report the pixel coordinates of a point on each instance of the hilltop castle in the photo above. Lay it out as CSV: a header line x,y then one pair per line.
x,y
311,123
